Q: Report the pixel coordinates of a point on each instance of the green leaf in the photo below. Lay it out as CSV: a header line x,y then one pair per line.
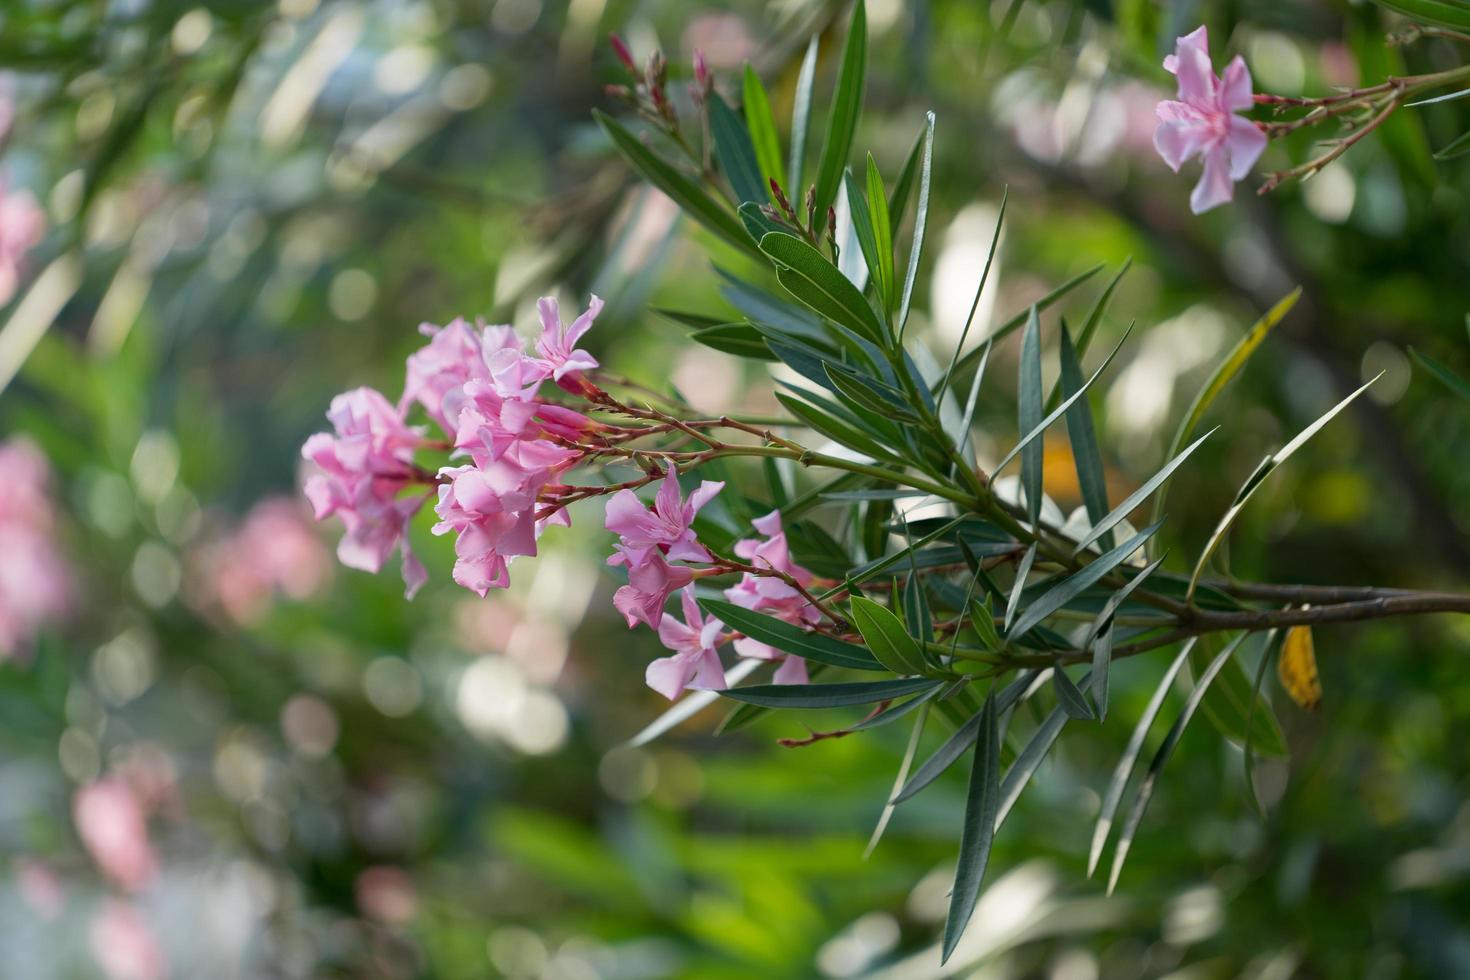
x,y
1254,481
970,319
763,135
983,621
756,221
1444,13
1034,435
1456,148
1023,569
1028,413
1028,760
921,217
1131,502
1450,380
1161,757
1086,455
814,281
903,773
801,115
1074,585
886,637
865,572
862,226
898,201
690,197
963,738
740,339
788,638
1124,769
735,152
1232,706
981,804
917,615
1089,327
847,104
827,695
870,394
971,358
882,234
1100,636
1268,652
838,431
1070,697
1222,377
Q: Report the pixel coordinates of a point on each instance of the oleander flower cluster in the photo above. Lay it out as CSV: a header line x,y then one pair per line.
x,y
36,581
513,420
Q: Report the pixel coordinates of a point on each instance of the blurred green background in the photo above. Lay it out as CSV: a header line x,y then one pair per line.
x,y
252,207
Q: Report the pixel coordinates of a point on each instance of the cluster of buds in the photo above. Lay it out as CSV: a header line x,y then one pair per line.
x,y
511,437
648,89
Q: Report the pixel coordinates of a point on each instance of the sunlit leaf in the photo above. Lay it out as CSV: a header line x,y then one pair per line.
x,y
763,135
801,114
882,266
842,118
886,637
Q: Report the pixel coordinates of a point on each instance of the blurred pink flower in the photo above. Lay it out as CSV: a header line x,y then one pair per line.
x,y
363,467
696,662
40,887
273,552
557,345
773,596
22,223
438,369
113,824
1203,122
35,580
386,894
124,944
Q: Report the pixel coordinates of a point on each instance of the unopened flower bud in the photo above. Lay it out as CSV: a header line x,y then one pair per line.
x,y
624,55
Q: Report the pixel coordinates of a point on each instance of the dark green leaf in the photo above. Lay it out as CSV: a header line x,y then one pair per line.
x,y
838,431
1232,707
1450,379
1071,699
847,104
921,217
788,638
963,738
827,695
740,339
1028,411
814,281
869,394
862,227
735,152
882,234
1131,502
1072,586
1086,455
981,804
1023,570
898,201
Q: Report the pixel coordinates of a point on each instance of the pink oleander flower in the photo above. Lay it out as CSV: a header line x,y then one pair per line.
x,y
695,663
651,580
666,526
363,468
557,345
124,944
770,595
113,824
439,369
36,584
1203,122
40,887
22,224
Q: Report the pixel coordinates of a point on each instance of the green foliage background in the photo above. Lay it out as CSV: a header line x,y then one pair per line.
x,y
277,259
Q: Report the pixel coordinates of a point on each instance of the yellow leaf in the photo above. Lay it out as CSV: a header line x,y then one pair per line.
x,y
1297,668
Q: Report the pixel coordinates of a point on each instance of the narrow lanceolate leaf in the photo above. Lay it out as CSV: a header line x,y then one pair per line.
x,y
882,233
959,346
1022,571
1075,584
840,432
827,695
813,280
1075,398
886,637
1448,378
903,774
981,804
918,617
1089,327
1224,374
865,572
1253,483
801,115
903,188
690,197
1086,455
921,218
962,435
964,737
1161,758
1028,760
1454,149
1029,415
1248,755
787,638
1124,769
735,152
1070,697
847,104
1131,502
1100,637
762,127
1443,13
968,361
1232,708
862,226
865,392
